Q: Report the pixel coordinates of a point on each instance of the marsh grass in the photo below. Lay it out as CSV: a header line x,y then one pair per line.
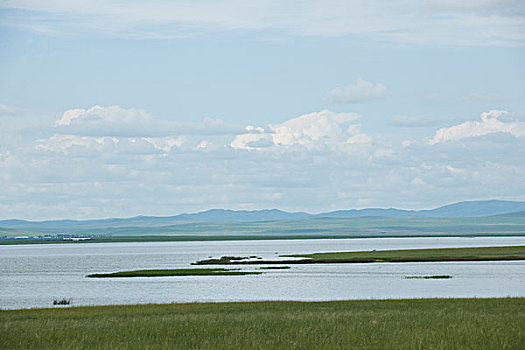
x,y
226,260
439,254
275,267
175,272
392,324
388,256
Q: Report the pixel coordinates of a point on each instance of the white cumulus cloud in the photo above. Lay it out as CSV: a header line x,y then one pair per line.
x,y
104,121
359,91
252,141
117,121
489,124
324,129
107,115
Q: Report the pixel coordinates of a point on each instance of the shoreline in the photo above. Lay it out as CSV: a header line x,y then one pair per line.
x,y
139,239
253,302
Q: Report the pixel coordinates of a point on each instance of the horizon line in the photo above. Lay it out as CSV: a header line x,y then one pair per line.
x,y
259,210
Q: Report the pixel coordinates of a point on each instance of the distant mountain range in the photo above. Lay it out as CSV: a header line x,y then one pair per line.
x,y
461,209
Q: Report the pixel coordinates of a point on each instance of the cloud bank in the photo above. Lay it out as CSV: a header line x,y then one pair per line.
x,y
314,162
443,22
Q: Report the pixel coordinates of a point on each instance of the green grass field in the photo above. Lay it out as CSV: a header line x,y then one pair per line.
x,y
174,272
390,324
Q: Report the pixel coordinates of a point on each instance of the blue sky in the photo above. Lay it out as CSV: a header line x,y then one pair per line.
x,y
111,108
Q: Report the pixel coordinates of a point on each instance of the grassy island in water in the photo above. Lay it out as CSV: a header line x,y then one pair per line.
x,y
174,272
392,256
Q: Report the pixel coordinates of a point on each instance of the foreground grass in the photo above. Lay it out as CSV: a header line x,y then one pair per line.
x,y
390,324
174,272
408,255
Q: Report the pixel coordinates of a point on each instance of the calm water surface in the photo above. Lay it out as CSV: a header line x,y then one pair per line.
x,y
34,275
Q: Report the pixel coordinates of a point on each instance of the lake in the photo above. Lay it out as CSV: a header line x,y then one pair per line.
x,y
34,275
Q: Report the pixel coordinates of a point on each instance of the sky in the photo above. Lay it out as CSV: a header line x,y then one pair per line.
x,y
125,108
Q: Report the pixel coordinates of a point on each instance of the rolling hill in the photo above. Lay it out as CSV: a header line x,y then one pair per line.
x,y
233,219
